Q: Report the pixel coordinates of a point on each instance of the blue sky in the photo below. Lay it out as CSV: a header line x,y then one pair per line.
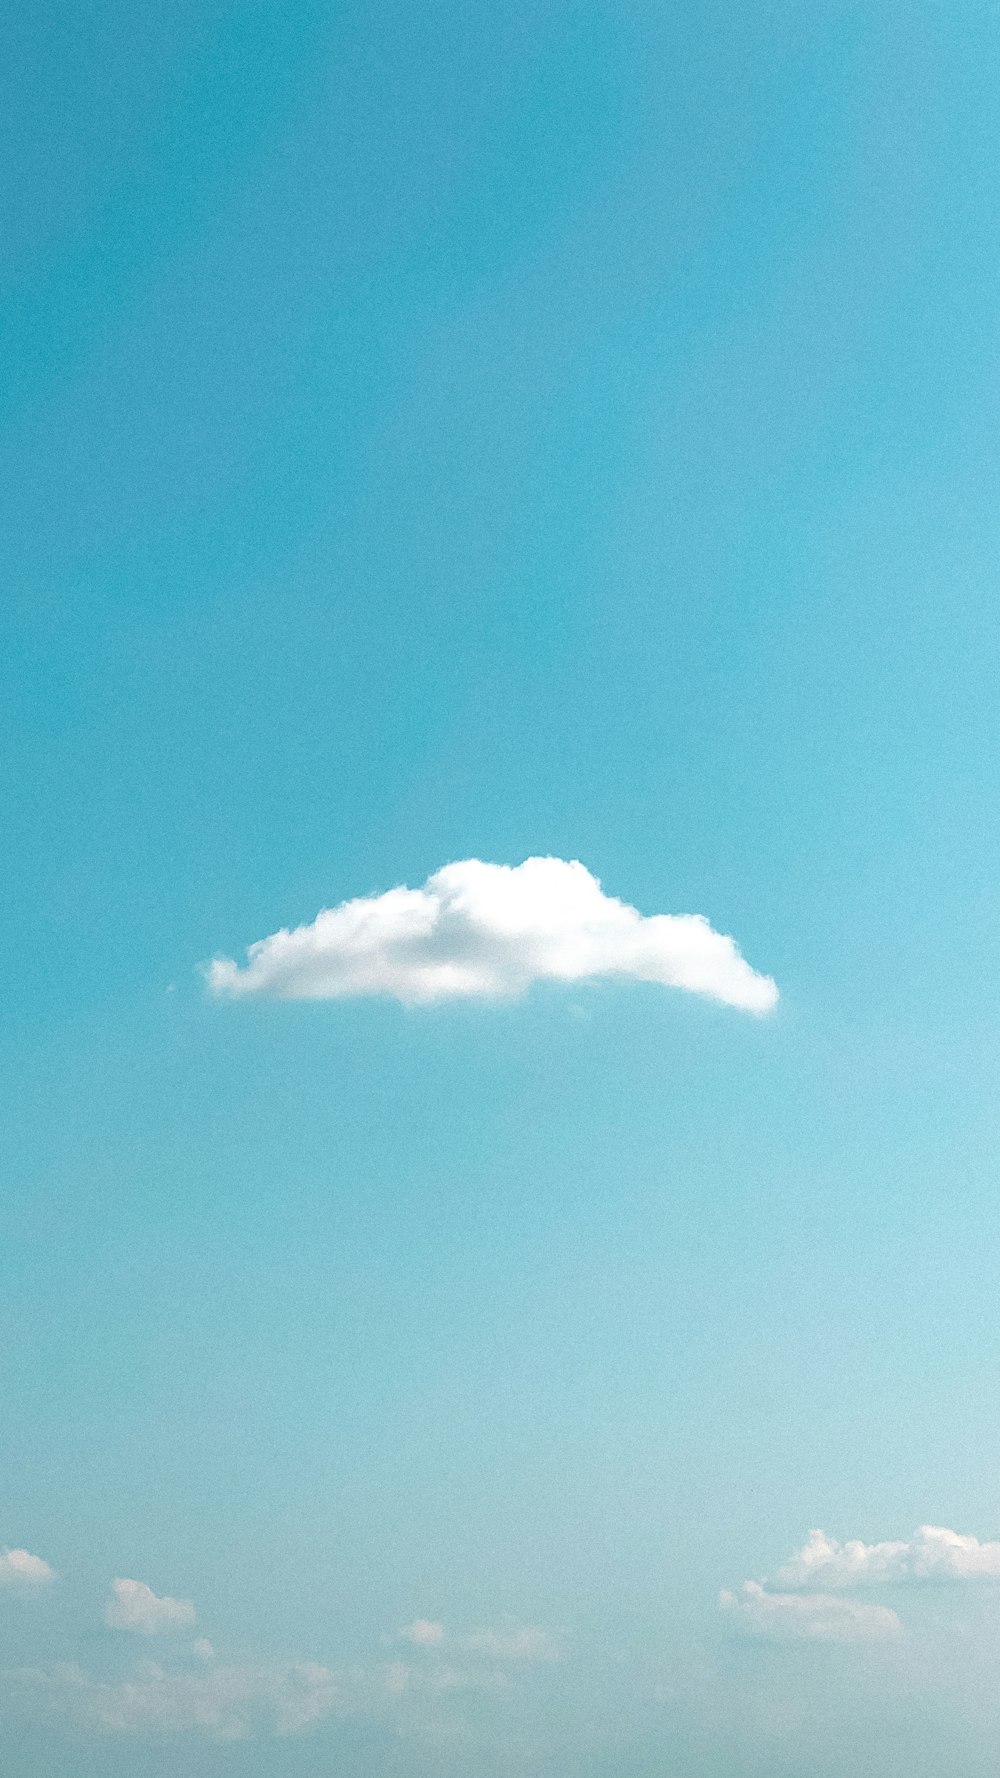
x,y
435,434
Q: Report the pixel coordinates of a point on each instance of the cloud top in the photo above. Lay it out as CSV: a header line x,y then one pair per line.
x,y
933,1553
134,1606
18,1568
808,1617
487,931
804,1601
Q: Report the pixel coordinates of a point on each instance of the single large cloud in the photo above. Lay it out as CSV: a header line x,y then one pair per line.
x,y
932,1553
134,1606
480,930
19,1568
808,1617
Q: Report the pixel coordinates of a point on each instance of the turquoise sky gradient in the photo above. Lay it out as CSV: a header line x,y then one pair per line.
x,y
445,432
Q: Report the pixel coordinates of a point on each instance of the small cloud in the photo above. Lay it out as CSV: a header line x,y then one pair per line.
x,y
202,1648
397,1678
933,1553
134,1606
808,1617
487,931
19,1568
423,1633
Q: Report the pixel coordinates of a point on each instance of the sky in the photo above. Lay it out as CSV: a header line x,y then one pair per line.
x,y
498,785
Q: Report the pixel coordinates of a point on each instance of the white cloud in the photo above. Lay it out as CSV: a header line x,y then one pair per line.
x,y
134,1606
486,931
808,1617
197,1693
423,1633
221,1702
933,1553
18,1568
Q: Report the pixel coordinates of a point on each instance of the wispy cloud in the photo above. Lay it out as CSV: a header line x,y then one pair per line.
x,y
423,1633
526,1644
222,1702
522,1642
808,1617
134,1606
933,1553
198,1694
195,1692
19,1568
487,931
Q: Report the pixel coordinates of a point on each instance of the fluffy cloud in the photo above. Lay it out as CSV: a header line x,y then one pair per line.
x,y
480,930
808,1617
18,1568
932,1553
789,1607
134,1606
